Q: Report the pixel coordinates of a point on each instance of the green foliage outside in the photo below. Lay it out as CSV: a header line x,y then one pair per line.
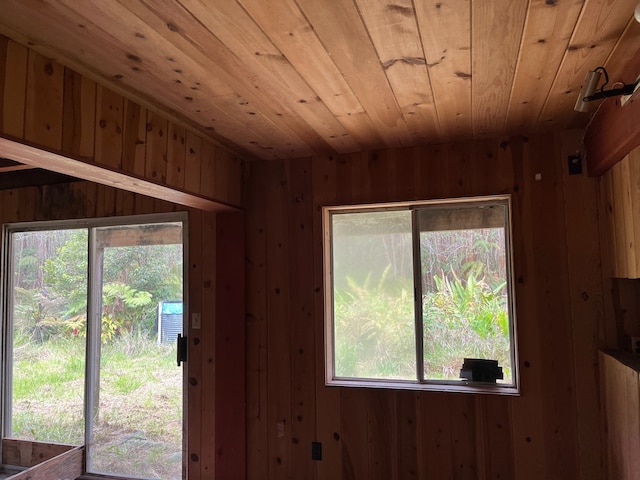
x,y
137,375
374,325
51,286
464,303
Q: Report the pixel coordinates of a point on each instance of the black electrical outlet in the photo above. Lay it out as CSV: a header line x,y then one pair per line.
x,y
575,165
316,451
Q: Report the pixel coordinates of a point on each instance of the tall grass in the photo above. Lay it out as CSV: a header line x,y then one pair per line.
x,y
140,401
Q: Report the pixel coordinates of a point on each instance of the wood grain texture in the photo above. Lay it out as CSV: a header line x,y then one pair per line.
x,y
90,128
614,131
287,79
588,48
445,28
547,32
43,109
396,38
64,466
23,453
620,191
13,80
493,64
620,396
230,437
215,435
551,431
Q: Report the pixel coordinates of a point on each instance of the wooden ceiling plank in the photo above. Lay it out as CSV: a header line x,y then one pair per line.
x,y
65,30
285,25
599,27
197,42
623,54
394,32
248,42
173,74
340,29
494,62
445,28
547,32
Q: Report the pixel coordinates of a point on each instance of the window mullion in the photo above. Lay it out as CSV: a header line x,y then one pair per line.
x,y
417,295
94,308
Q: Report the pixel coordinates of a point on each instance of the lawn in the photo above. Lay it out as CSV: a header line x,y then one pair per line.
x,y
139,423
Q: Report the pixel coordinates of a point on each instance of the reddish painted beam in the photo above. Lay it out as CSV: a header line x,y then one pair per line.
x,y
230,396
615,129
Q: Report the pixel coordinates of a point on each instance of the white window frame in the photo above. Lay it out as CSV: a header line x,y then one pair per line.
x,y
92,362
464,386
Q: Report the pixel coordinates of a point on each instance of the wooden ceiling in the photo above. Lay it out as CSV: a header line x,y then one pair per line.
x,y
288,78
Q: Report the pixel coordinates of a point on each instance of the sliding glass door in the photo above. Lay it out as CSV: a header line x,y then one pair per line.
x,y
93,313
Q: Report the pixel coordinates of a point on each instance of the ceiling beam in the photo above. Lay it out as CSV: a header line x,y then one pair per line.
x,y
614,129
55,162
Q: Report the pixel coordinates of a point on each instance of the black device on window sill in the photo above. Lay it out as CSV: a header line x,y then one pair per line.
x,y
481,370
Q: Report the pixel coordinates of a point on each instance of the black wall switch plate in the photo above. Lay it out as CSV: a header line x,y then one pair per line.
x,y
316,451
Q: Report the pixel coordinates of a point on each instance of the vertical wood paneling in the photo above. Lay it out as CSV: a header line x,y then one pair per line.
x,y
436,455
279,354
328,403
156,152
195,372
43,110
176,155
620,194
550,431
109,121
256,305
586,304
13,81
355,421
552,290
621,398
302,313
229,441
208,340
78,134
63,111
193,163
134,139
207,169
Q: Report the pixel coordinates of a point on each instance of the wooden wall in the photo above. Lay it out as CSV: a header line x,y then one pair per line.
x,y
621,399
52,107
215,414
551,431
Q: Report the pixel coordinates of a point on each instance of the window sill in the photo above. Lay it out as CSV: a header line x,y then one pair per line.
x,y
462,386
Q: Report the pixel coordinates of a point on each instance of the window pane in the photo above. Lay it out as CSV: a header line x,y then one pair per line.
x,y
464,289
374,321
137,418
48,294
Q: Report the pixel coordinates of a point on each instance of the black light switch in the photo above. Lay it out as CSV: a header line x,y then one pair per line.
x,y
316,451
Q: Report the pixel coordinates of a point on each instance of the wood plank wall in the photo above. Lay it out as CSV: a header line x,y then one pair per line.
x,y
52,107
621,399
215,450
551,431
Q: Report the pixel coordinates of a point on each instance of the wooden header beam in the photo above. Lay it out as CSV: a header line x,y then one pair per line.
x,y
36,157
615,129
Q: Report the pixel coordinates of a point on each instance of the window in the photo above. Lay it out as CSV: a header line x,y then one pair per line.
x,y
88,357
414,289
